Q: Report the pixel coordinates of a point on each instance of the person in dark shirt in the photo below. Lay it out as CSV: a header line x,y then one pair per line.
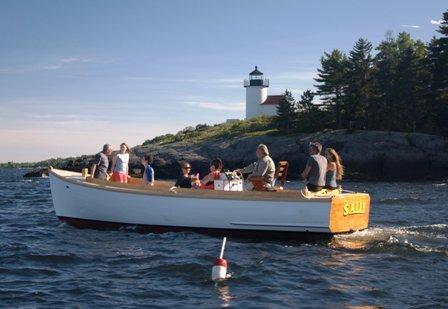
x,y
100,163
185,179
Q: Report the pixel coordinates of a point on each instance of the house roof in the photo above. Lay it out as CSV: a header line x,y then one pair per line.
x,y
255,72
272,100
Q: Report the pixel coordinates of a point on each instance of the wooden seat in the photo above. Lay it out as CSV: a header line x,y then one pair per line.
x,y
279,178
258,183
281,172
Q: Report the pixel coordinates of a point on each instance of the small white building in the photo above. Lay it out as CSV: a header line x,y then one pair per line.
x,y
258,102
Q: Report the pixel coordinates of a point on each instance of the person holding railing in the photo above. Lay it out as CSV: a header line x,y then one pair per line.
x,y
100,163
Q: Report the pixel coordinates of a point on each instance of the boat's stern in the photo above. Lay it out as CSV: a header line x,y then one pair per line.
x,y
349,212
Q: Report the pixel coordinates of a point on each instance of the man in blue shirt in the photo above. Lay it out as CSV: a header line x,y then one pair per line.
x,y
148,174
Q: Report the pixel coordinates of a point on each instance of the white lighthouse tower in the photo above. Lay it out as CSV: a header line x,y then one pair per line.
x,y
258,102
256,93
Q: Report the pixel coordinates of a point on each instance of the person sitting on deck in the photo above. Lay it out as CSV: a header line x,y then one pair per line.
x,y
315,169
263,167
100,163
148,174
185,179
335,170
208,182
120,164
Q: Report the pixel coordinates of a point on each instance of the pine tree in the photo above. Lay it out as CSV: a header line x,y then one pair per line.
x,y
408,86
358,93
311,117
384,98
438,65
305,104
286,112
332,80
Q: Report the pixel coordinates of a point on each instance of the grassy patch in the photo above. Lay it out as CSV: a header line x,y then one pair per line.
x,y
200,133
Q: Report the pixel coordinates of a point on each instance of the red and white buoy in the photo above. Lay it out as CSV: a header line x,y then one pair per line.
x,y
219,270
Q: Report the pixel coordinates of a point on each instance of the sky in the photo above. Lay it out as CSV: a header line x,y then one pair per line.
x,y
77,74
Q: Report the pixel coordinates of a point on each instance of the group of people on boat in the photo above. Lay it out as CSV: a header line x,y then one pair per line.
x,y
120,165
321,171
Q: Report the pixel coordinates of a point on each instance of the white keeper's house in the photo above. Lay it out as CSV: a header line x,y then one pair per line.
x,y
258,102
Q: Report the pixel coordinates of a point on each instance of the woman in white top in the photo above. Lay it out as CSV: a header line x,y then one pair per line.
x,y
120,164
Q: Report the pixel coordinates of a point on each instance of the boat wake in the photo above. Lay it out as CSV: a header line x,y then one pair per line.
x,y
421,239
406,200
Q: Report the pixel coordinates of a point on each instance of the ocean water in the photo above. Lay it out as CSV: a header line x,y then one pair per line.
x,y
401,261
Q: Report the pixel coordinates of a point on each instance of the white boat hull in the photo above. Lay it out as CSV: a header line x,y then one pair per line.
x,y
85,204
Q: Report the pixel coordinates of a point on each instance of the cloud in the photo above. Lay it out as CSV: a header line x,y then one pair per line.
x,y
76,59
411,26
436,22
49,67
238,106
21,70
57,65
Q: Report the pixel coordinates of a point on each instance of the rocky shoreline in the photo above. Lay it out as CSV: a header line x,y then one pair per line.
x,y
367,155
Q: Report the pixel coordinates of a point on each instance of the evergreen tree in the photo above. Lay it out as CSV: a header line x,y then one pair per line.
x,y
358,92
438,65
305,104
331,81
404,87
311,117
286,112
384,75
398,84
409,87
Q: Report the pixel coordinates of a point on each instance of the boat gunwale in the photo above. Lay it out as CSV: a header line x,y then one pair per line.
x,y
188,193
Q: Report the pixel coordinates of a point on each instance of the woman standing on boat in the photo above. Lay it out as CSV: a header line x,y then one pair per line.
x,y
335,170
120,164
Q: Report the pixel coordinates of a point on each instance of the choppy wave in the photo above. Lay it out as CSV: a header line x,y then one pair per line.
x,y
45,263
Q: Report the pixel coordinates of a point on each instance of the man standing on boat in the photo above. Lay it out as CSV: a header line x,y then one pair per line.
x,y
315,169
101,163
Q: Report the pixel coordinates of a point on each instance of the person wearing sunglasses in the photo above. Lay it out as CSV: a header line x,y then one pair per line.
x,y
185,178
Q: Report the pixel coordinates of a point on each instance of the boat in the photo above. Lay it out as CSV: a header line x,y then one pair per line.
x,y
91,203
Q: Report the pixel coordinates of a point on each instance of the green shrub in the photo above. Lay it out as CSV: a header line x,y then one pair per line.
x,y
203,132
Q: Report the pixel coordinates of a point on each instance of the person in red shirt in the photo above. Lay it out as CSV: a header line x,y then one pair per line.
x,y
216,167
